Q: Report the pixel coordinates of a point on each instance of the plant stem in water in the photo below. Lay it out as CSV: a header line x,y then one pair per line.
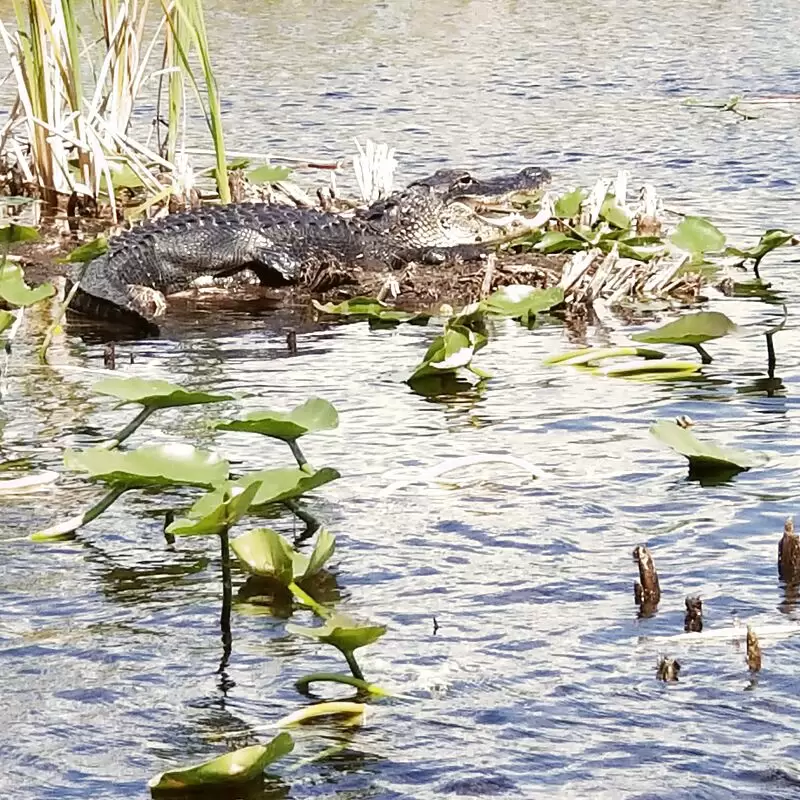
x,y
307,600
704,356
312,523
299,457
72,524
227,594
135,423
353,664
334,677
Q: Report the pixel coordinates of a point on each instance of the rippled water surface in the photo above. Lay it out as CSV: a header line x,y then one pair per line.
x,y
540,681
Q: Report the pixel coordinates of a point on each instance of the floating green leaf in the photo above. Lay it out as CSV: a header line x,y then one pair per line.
x,y
268,173
697,235
158,465
691,329
279,485
343,632
590,356
315,414
216,511
11,233
651,370
704,457
372,309
14,290
522,302
87,252
237,767
337,708
154,393
267,554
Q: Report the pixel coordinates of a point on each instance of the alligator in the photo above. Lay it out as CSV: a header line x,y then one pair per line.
x,y
433,220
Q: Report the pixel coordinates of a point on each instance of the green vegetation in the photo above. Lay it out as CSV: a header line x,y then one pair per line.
x,y
262,552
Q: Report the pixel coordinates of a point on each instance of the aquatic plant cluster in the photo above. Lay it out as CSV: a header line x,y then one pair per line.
x,y
270,559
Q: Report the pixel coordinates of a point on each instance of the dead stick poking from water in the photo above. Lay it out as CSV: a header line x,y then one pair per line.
x,y
668,669
646,591
753,651
693,621
789,553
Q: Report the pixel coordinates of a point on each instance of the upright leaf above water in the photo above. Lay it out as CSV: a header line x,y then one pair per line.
x,y
237,767
279,485
315,414
266,553
343,632
691,330
704,457
154,393
216,511
158,466
769,241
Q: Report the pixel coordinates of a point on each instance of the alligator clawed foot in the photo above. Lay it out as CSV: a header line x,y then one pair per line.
x,y
150,303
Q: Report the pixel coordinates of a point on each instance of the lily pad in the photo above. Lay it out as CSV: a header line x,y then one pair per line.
x,y
691,329
522,302
704,457
315,414
343,632
267,554
154,393
590,356
15,291
237,767
652,370
87,252
216,511
279,485
11,233
354,712
372,309
159,465
697,235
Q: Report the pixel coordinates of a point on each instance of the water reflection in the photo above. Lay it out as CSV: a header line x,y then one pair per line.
x,y
541,680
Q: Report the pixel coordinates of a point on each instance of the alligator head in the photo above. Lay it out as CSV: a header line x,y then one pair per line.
x,y
441,210
462,186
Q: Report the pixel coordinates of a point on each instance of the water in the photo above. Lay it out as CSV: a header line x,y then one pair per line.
x,y
540,682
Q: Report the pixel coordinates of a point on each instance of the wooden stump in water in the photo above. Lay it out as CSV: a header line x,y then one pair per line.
x,y
693,621
789,553
753,651
668,669
646,591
